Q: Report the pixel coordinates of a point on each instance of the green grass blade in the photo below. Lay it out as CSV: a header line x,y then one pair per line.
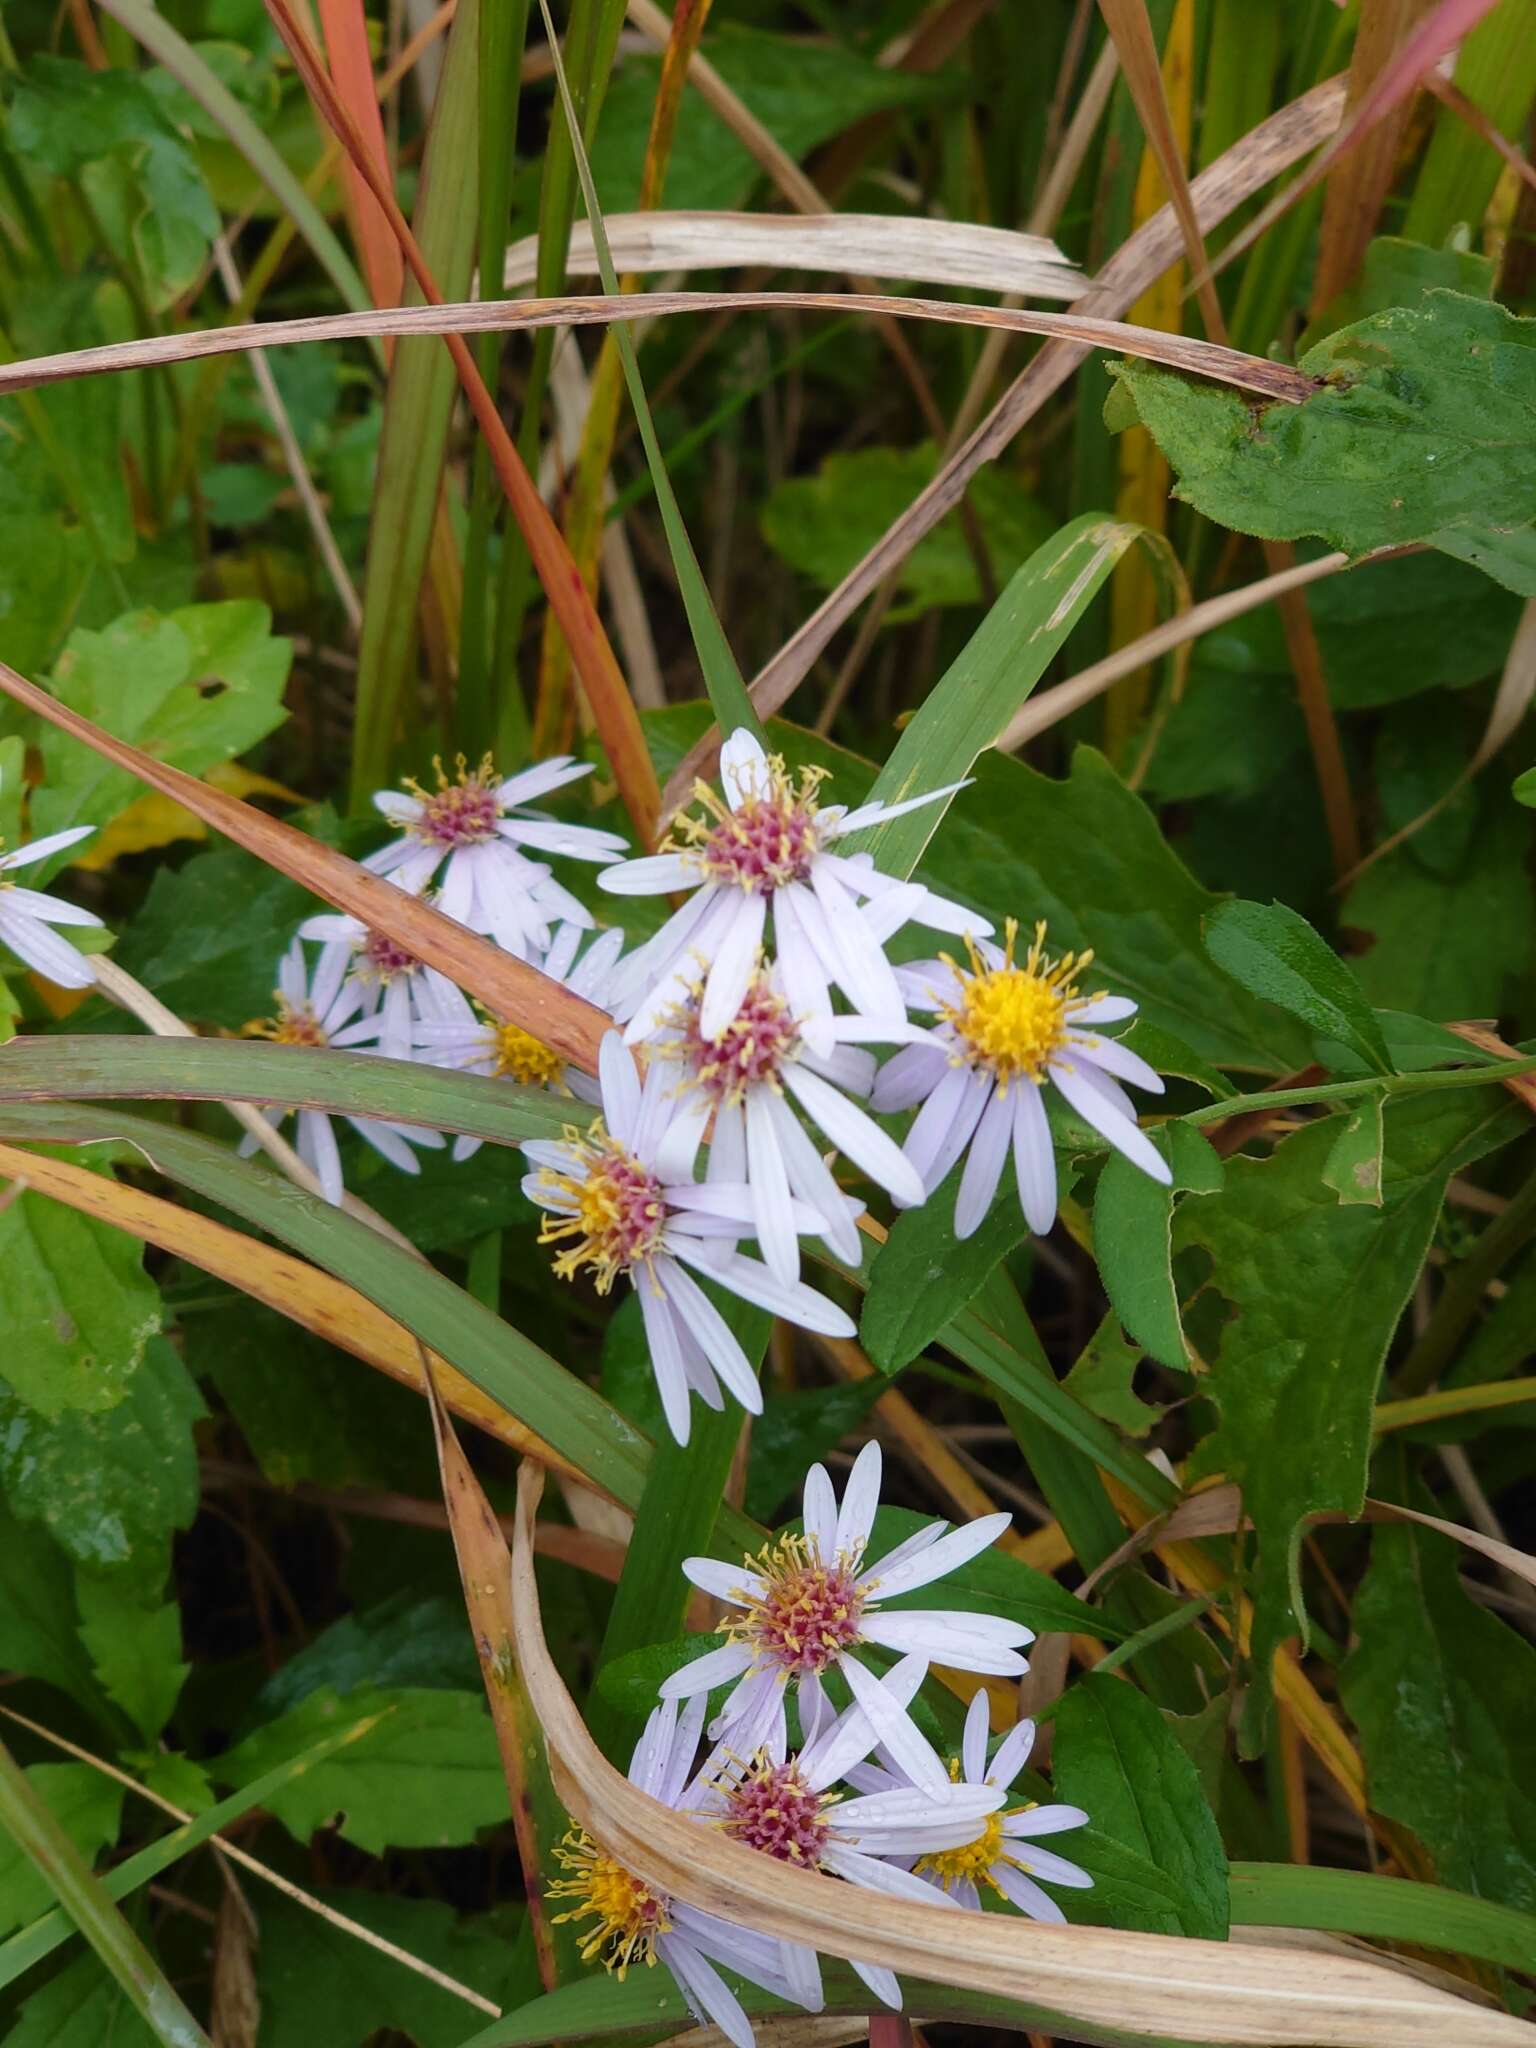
x,y
1383,1908
968,708
46,1843
1496,68
417,410
286,1076
722,677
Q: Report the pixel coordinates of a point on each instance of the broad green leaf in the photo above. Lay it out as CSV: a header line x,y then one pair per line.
x,y
1419,433
38,1636
350,1083
1132,1218
824,525
110,1485
1445,945
1315,1291
427,1777
403,1641
1398,272
135,1647
1523,788
1441,1690
1115,1756
77,1310
87,1805
1382,1909
1354,1164
319,1983
1278,957
82,2003
1103,1378
192,688
923,1275
968,708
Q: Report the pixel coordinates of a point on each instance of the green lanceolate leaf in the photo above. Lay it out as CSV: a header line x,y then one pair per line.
x,y
38,1634
1381,1908
1132,1218
1116,1757
284,1077
966,711
1420,431
1278,957
923,1275
1441,1690
1315,1291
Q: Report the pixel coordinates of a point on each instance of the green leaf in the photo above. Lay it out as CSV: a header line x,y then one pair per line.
x,y
82,2003
320,1983
794,1431
1132,1218
1315,1291
1381,1908
1420,433
1399,272
1353,1167
1428,946
194,688
923,1275
427,1777
1441,1690
971,704
110,1485
136,1649
87,1805
402,1641
1523,788
823,525
1103,1380
1115,1756
38,1637
1278,957
77,1310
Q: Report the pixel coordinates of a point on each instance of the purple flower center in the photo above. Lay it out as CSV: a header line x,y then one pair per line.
x,y
773,1809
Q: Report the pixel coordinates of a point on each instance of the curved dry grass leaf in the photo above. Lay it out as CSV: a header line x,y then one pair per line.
x,y
1277,381
1198,1990
326,1307
952,252
510,986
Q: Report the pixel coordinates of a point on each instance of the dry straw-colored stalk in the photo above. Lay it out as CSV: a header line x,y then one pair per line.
x,y
1099,1978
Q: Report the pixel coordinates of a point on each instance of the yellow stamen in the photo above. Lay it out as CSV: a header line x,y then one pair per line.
x,y
973,1860
291,1026
619,1209
522,1057
629,1915
1012,1018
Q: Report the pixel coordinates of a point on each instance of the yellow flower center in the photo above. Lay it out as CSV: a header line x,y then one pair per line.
x,y
627,1914
766,843
619,1210
522,1057
293,1025
1012,1018
974,1860
807,1611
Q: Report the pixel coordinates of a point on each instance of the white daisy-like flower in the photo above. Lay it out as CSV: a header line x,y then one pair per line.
x,y
785,1807
1001,1854
622,1920
746,1074
462,1036
770,846
327,1010
469,835
622,1200
808,1601
28,915
1006,1028
401,991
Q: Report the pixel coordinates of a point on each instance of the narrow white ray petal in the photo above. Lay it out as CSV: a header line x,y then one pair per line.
x,y
770,1190
729,1200
1104,1010
685,1744
317,1147
946,1823
863,972
861,1497
397,806
1104,1085
820,1509
909,1547
881,814
39,849
553,835
734,963
839,1748
1026,1895
666,1358
540,777
885,1580
1051,1868
909,1077
621,1087
812,1181
48,909
882,1982
984,1166
387,1142
798,1304
802,1974
941,1638
880,1031
876,1876
852,1132
1126,1137
940,915
942,1128
725,1581
886,913
1114,1058
715,1667
753,1715
654,874
800,965
43,950
1034,1160
898,1734
1043,1820
650,1753
973,1740
713,1334
1012,1754
743,768
701,1984
563,946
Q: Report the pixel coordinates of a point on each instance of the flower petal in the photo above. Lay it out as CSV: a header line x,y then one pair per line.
x,y
984,1166
973,1740
898,1734
769,1182
743,767
1126,1137
703,1674
883,1581
852,1132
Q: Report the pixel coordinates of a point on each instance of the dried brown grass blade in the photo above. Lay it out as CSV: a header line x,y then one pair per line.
x,y
507,985
345,28
327,1307
1101,1978
947,252
1220,189
1274,381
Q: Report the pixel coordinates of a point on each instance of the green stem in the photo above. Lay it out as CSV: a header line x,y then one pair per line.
x,y
1346,1091
1463,1291
49,1849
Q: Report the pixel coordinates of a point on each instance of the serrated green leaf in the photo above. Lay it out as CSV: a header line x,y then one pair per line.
x,y
1421,432
135,1648
923,1275
82,2003
77,1310
109,1485
1441,1690
1132,1218
427,1777
87,1805
1353,1166
1278,957
404,1641
1103,1376
1115,1756
1316,1290
38,1636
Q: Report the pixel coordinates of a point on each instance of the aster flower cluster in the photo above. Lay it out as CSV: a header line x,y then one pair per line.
x,y
742,1066
863,1796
